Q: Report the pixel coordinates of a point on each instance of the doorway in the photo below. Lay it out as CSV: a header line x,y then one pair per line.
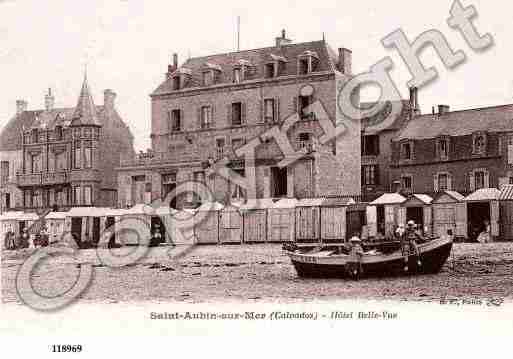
x,y
166,189
416,214
355,222
110,224
380,219
478,213
76,229
278,182
96,230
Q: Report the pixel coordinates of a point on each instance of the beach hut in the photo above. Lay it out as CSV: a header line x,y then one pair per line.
x,y
206,223
254,218
506,212
449,213
84,224
356,220
308,222
281,220
108,222
230,224
9,221
55,223
417,208
334,219
383,215
134,225
483,213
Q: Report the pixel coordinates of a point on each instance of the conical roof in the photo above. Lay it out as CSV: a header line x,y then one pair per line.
x,y
85,112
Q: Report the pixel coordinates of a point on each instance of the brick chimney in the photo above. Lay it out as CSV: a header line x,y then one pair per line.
x,y
21,105
414,101
280,41
109,98
443,109
49,100
172,66
344,60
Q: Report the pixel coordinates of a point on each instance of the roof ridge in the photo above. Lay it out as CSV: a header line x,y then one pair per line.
x,y
466,110
249,50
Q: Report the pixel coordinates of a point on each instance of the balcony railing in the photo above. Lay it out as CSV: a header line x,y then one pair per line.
x,y
45,178
144,159
51,178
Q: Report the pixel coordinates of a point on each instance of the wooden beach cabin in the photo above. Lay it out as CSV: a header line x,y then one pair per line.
x,y
482,208
308,221
206,223
84,224
383,215
449,213
10,221
506,212
333,215
230,224
55,224
254,219
281,220
417,208
134,225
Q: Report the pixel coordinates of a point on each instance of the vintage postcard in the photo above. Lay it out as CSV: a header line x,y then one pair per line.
x,y
293,177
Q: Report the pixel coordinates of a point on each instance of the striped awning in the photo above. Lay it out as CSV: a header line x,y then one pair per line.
x,y
506,193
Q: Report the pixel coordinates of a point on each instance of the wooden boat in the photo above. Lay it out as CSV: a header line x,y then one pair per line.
x,y
331,261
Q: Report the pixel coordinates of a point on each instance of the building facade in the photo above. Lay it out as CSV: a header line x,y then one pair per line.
x,y
57,158
212,105
461,151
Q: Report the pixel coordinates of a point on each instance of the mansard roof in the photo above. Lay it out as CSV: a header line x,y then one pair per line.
x,y
256,59
459,123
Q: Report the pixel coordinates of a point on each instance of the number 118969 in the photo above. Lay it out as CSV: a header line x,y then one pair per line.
x,y
66,348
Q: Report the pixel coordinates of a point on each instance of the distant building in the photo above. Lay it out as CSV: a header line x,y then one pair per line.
x,y
210,106
461,150
59,158
377,146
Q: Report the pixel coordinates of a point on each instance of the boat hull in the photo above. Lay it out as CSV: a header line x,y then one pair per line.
x,y
433,257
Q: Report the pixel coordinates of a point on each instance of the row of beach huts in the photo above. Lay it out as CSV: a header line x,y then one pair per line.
x,y
328,220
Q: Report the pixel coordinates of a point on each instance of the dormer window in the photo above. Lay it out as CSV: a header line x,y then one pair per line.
x,y
58,133
34,136
442,148
479,143
307,63
208,78
270,70
176,83
237,75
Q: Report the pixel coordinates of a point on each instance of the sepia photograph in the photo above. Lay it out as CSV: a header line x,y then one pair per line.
x,y
261,171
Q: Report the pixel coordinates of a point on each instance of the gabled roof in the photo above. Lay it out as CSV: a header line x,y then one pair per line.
x,y
423,198
85,111
258,203
285,203
257,58
388,198
483,194
459,123
452,194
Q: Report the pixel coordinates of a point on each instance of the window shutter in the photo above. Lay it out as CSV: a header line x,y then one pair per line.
x,y
229,114
243,113
487,179
449,182
435,183
182,121
276,109
295,108
212,116
376,175
199,117
472,186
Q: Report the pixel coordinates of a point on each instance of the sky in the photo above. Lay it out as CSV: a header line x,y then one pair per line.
x,y
127,45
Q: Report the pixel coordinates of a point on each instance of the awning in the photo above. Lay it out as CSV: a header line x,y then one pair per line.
x,y
285,203
424,198
483,194
11,216
456,195
310,202
87,212
258,203
114,212
388,198
210,206
164,211
506,193
337,202
56,215
140,209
